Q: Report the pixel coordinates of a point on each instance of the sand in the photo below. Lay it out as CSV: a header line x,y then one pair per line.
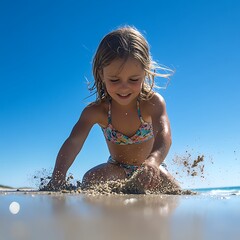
x,y
126,186
189,163
56,216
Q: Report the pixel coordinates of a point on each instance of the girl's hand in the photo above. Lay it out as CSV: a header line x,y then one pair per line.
x,y
55,184
148,176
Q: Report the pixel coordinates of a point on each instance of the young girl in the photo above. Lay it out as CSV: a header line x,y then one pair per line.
x,y
132,116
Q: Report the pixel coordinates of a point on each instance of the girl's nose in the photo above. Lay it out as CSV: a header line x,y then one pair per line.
x,y
124,85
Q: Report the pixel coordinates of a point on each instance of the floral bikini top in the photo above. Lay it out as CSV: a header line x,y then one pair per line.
x,y
144,132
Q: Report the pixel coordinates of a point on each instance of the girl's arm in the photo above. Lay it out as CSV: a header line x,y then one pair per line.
x,y
72,147
162,131
149,176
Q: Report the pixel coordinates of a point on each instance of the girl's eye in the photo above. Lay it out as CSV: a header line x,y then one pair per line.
x,y
134,80
114,80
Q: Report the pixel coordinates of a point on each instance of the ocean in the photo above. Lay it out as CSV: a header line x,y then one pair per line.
x,y
219,191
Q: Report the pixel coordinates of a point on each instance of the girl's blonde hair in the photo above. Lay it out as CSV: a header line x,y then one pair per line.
x,y
123,43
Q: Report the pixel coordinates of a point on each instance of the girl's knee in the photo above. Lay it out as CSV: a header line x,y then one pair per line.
x,y
92,176
103,172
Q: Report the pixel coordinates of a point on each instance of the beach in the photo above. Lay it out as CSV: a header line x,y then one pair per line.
x,y
55,215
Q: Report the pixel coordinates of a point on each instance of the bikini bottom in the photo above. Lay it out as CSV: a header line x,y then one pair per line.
x,y
128,169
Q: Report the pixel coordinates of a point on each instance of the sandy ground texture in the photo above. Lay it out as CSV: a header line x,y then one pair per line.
x,y
55,215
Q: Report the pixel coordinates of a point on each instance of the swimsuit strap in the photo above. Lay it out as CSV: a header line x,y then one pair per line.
x,y
139,112
109,113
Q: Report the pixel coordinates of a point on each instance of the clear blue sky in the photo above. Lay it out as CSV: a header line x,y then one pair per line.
x,y
46,49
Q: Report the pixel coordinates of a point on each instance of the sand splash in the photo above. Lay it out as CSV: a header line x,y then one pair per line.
x,y
122,187
193,166
187,163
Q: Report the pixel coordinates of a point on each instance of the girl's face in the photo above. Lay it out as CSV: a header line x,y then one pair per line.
x,y
123,80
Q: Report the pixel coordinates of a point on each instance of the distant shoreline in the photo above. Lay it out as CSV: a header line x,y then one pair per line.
x,y
3,187
8,188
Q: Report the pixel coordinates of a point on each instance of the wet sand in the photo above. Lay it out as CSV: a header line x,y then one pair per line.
x,y
56,216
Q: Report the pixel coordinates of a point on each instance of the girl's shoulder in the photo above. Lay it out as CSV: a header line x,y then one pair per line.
x,y
157,99
155,105
96,111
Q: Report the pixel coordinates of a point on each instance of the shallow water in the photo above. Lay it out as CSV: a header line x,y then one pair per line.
x,y
220,191
81,216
